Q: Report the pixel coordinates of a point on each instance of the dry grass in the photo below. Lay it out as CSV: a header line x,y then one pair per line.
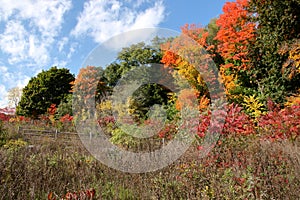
x,y
237,168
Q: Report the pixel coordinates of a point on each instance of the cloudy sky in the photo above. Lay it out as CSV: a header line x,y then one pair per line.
x,y
38,34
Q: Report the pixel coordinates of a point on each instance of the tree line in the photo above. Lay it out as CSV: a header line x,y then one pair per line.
x,y
254,44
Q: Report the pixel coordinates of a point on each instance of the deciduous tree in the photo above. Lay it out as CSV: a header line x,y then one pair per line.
x,y
139,56
47,88
14,96
235,36
278,24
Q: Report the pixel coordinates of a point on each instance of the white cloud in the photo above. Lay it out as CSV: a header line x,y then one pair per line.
x,y
47,15
150,17
22,80
13,41
13,78
128,38
31,28
65,55
22,46
138,3
10,78
59,63
6,76
3,97
38,51
61,44
103,19
3,69
72,49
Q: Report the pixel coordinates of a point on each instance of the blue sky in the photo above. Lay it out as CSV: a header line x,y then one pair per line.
x,y
35,35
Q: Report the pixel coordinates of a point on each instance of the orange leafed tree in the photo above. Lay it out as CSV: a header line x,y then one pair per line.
x,y
174,53
190,57
88,90
235,35
197,33
86,78
88,83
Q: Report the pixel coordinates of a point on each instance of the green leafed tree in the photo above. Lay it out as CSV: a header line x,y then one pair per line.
x,y
65,106
278,24
48,87
130,57
146,96
140,56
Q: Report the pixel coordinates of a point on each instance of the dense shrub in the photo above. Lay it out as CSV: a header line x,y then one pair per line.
x,y
281,123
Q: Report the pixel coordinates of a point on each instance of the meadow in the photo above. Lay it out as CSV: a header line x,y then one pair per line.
x,y
250,166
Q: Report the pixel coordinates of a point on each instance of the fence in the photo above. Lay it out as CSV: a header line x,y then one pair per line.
x,y
39,136
35,136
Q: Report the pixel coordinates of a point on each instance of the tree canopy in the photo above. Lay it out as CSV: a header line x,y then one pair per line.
x,y
278,25
48,87
130,57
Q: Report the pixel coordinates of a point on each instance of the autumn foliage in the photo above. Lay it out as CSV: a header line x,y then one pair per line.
x,y
281,123
234,122
236,33
236,92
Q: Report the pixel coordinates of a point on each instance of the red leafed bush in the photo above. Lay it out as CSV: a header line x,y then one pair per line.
x,y
22,119
236,122
4,117
66,118
6,113
281,123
